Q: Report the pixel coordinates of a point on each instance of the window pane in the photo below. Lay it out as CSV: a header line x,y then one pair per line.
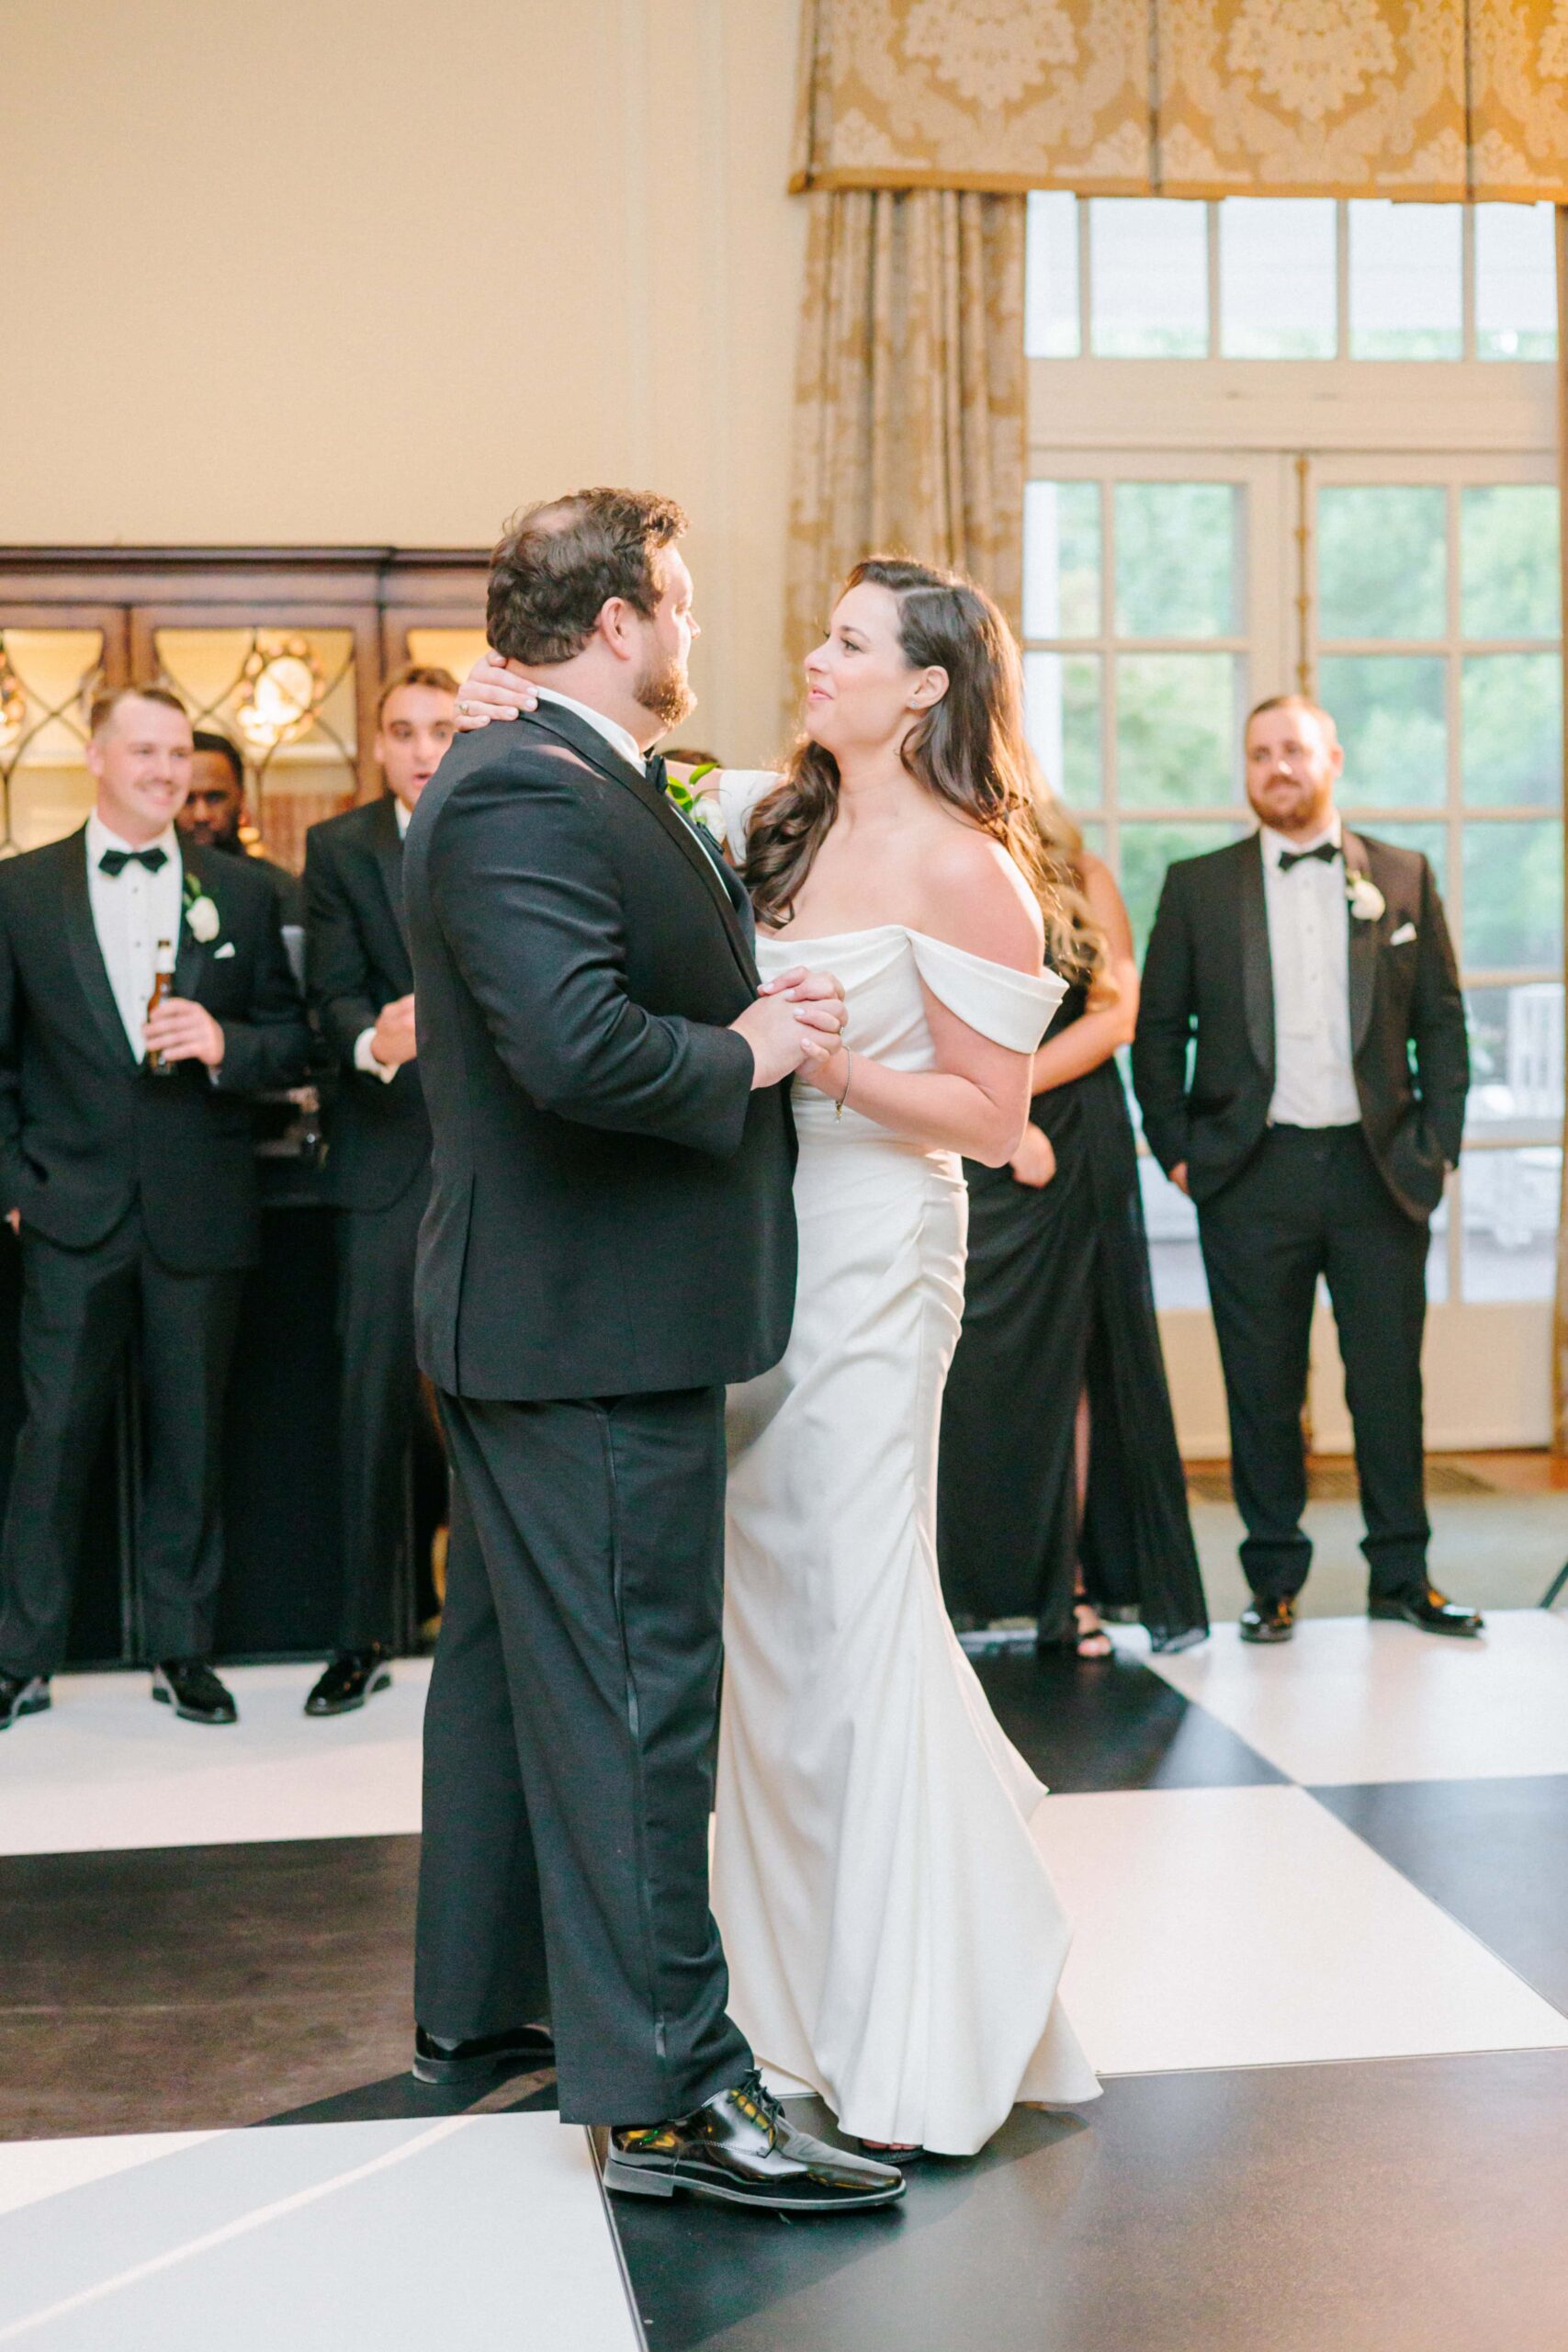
x,y
1508,1208
288,699
1393,721
1279,265
1509,582
1382,561
1061,559
1177,730
1146,851
1432,840
1176,558
1405,298
1515,1054
1175,1259
1061,695
1513,896
1512,729
47,680
1148,277
1516,282
1051,280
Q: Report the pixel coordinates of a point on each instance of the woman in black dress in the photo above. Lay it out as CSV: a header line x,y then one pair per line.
x,y
1061,1490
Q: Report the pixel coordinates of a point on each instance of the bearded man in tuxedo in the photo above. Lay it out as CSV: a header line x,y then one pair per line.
x,y
610,1239
1302,1066
127,1167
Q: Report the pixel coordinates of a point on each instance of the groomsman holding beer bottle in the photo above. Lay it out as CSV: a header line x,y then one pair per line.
x,y
127,1170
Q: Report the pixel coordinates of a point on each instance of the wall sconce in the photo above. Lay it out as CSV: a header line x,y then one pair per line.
x,y
285,686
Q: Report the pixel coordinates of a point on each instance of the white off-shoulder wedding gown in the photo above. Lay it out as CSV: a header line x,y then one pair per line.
x,y
893,1935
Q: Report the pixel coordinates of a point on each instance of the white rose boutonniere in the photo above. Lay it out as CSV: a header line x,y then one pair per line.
x,y
201,916
1367,901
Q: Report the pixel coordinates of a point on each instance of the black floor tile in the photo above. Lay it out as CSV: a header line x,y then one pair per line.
x,y
181,1988
1493,1853
1088,1725
1391,2207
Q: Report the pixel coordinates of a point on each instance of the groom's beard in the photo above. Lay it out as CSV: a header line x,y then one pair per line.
x,y
666,691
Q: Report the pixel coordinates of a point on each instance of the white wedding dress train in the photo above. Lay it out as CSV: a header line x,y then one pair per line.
x,y
893,1935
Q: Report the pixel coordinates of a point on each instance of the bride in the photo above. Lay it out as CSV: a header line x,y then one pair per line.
x,y
894,1940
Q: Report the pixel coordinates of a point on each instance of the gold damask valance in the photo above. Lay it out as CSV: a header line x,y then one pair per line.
x,y
1437,99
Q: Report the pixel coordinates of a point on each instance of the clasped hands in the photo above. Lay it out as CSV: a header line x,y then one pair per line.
x,y
795,1025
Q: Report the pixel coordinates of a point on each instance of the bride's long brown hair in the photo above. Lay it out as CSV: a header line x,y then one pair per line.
x,y
968,750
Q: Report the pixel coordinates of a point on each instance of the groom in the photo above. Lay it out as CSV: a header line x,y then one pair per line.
x,y
610,1239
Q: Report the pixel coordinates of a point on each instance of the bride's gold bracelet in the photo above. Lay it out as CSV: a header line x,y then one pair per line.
x,y
839,1106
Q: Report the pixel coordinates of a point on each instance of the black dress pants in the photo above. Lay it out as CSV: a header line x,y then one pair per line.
x,y
376,1250
569,1747
80,1308
1311,1202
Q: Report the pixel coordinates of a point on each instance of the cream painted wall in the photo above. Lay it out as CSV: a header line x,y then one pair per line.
x,y
327,274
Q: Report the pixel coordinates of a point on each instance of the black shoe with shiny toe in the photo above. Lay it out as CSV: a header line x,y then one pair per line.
x,y
350,1678
190,1687
740,2148
22,1694
1429,1609
1268,1621
524,2049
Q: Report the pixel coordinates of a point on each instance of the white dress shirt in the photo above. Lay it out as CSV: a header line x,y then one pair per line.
x,y
1309,949
132,911
617,736
363,1058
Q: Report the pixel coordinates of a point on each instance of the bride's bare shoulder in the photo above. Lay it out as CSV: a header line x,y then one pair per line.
x,y
975,897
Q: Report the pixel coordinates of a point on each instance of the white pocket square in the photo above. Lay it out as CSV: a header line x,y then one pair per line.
x,y
228,949
1404,936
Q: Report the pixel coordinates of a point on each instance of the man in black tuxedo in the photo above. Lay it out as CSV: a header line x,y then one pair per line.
x,y
360,984
214,814
610,1239
133,1187
1323,1112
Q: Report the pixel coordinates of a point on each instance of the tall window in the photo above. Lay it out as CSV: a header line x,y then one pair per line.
x,y
1339,472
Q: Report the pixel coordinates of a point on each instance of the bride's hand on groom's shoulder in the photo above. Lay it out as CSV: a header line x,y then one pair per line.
x,y
492,689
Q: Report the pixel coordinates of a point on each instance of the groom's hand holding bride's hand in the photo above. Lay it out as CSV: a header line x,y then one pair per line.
x,y
794,1026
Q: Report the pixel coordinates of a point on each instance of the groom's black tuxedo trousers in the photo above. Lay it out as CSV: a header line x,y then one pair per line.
x,y
610,1239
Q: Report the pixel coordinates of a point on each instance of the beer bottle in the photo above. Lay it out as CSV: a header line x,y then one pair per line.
x,y
162,986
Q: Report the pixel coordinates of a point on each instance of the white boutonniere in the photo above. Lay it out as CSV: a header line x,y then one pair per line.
x,y
1367,901
202,917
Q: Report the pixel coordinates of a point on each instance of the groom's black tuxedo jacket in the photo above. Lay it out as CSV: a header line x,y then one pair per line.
x,y
1207,971
84,1130
611,1206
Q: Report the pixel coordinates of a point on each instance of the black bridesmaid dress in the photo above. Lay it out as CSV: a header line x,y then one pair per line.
x,y
1058,1299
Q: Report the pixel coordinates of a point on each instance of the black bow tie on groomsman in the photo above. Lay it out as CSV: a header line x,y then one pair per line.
x,y
1326,850
657,772
115,861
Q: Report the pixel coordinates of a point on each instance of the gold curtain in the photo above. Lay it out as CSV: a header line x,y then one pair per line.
x,y
909,399
1437,99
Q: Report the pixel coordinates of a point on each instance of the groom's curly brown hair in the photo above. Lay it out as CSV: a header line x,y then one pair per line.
x,y
557,565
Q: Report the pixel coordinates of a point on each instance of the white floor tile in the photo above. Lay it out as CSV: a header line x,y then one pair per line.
x,y
31,2170
107,1767
1348,1700
470,2234
1248,1927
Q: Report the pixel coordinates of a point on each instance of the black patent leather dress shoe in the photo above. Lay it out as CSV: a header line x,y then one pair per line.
x,y
740,2148
1431,1610
1268,1621
526,2050
22,1694
350,1678
190,1687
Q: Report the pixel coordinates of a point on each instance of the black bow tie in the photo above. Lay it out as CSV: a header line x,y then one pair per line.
x,y
658,773
1326,850
115,861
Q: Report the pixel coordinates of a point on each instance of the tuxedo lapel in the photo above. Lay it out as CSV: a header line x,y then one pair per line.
x,y
87,956
1256,967
190,955
591,745
388,850
1363,947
